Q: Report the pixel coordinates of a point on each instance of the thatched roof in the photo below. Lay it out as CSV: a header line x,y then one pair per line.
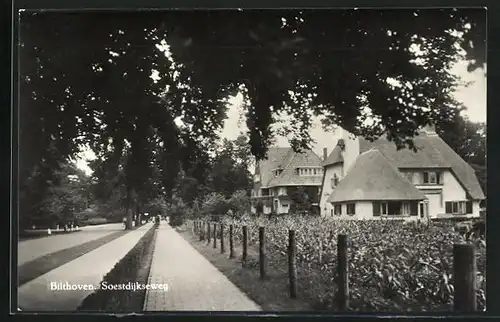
x,y
432,152
373,177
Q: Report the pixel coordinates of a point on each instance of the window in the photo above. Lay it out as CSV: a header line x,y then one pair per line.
x,y
406,208
376,209
380,208
332,212
414,208
383,208
335,180
457,207
338,209
285,205
394,208
468,207
432,178
351,209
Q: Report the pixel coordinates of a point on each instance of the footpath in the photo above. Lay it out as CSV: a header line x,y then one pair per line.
x,y
88,269
194,284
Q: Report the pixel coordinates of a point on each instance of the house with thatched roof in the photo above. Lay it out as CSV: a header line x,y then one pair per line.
x,y
373,180
282,171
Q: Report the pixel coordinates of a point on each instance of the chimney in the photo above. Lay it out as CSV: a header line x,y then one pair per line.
x,y
341,144
325,153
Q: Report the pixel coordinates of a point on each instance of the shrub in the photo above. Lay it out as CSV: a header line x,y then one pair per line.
x,y
96,221
393,265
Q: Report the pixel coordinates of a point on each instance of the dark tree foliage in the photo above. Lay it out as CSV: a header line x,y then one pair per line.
x,y
335,61
85,78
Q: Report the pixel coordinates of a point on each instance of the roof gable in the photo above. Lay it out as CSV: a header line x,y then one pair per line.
x,y
373,177
275,158
461,169
425,157
334,157
432,152
289,176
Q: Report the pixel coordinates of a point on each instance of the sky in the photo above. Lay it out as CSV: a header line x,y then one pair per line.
x,y
472,96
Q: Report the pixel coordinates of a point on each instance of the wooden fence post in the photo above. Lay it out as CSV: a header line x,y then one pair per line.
x,y
262,252
222,238
215,235
343,273
464,278
245,244
231,243
208,233
292,267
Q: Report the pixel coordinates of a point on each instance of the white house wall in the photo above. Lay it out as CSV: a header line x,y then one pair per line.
x,y
351,151
327,188
452,190
364,210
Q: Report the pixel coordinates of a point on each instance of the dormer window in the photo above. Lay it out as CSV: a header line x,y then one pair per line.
x,y
278,172
309,171
432,178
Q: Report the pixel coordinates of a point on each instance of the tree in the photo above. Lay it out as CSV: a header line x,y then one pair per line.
x,y
240,203
215,205
66,197
302,200
297,62
229,171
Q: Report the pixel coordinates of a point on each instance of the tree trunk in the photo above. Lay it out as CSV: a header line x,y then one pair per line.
x,y
138,215
129,210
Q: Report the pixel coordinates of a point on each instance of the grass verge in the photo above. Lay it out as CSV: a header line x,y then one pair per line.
x,y
35,268
271,294
134,267
28,235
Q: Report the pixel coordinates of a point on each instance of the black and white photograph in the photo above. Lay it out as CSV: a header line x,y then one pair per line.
x,y
251,160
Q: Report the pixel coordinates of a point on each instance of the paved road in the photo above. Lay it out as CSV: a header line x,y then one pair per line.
x,y
31,249
88,269
194,283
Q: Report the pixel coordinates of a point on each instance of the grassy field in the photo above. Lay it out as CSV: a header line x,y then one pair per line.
x,y
393,266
